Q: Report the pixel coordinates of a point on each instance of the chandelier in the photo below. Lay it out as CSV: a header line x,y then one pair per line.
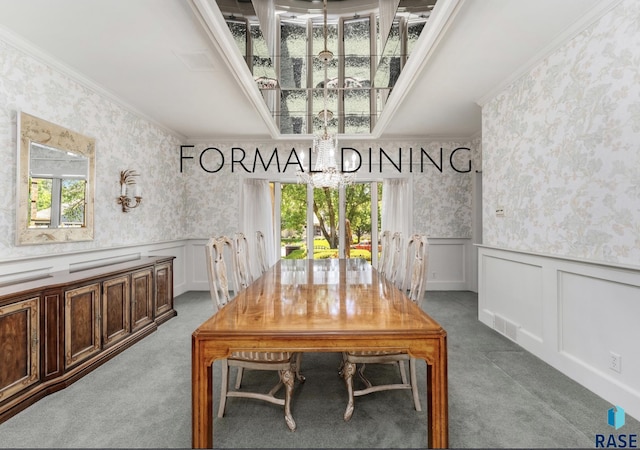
x,y
325,173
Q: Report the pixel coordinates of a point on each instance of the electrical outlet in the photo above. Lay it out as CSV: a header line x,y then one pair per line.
x,y
615,362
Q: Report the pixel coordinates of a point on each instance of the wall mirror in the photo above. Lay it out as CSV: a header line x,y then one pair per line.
x,y
56,183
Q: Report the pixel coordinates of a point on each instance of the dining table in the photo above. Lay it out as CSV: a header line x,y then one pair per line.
x,y
320,305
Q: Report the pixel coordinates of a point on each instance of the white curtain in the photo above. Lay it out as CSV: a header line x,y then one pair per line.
x,y
396,210
266,12
396,215
387,14
257,215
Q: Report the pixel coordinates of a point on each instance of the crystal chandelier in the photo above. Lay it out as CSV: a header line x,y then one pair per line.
x,y
325,173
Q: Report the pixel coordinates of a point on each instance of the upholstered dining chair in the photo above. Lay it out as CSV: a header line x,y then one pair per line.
x,y
285,363
413,282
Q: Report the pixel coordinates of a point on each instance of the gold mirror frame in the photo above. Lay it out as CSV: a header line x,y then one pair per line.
x,y
32,129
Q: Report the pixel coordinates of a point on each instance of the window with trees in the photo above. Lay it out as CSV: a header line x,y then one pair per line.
x,y
328,219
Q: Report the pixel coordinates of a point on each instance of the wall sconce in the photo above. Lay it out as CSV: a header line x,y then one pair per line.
x,y
128,178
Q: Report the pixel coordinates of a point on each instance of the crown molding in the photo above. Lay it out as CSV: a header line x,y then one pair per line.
x,y
589,18
31,50
213,23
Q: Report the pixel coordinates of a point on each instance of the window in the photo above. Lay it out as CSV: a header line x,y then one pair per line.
x,y
356,223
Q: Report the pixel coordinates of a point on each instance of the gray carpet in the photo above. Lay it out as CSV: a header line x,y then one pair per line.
x,y
499,396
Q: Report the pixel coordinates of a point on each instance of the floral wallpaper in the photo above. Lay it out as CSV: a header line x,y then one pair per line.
x,y
561,148
441,194
124,140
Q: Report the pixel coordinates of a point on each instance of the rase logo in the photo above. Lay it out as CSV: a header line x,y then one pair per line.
x,y
615,419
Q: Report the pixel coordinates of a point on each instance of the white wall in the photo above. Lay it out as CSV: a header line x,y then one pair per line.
x,y
561,273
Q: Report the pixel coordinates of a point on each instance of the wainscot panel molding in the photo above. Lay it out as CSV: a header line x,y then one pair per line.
x,y
447,269
35,267
571,313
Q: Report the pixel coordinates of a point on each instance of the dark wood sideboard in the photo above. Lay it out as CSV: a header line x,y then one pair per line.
x,y
56,329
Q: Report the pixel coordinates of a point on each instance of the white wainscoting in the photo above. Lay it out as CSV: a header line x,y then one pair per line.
x,y
448,264
572,314
448,267
15,270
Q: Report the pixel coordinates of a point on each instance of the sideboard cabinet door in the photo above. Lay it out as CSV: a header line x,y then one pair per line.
x,y
81,323
19,347
141,299
116,308
164,291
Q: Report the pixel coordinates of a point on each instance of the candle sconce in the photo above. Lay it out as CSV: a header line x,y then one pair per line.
x,y
128,183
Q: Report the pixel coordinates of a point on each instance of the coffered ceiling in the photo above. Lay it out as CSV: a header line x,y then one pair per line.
x,y
170,60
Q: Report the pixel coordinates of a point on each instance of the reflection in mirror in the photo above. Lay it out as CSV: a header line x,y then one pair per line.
x,y
362,74
58,182
56,169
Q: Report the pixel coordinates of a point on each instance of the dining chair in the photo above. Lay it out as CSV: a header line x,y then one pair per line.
x,y
385,242
242,263
262,252
285,363
395,260
413,282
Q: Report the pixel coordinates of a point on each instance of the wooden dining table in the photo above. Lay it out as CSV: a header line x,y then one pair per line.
x,y
329,305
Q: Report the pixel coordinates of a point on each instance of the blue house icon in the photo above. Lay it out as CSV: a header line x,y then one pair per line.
x,y
616,417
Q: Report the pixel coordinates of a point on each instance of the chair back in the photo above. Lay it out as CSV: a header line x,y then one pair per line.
x,y
242,264
385,242
262,252
217,270
395,268
416,267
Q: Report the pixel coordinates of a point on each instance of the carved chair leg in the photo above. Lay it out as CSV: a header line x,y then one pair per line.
x,y
348,370
414,384
287,378
274,390
239,377
364,379
298,362
224,381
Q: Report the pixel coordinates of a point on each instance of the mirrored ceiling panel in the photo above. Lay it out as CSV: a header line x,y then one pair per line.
x,y
371,41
